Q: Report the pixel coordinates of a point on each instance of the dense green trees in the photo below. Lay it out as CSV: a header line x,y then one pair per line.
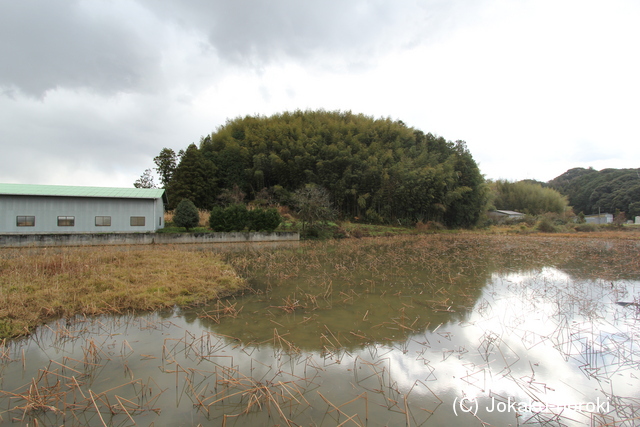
x,y
527,197
608,190
375,170
261,219
194,179
237,217
232,218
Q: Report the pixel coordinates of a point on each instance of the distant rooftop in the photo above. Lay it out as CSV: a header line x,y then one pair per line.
x,y
77,191
504,212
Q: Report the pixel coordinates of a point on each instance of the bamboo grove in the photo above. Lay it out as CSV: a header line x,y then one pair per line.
x,y
375,170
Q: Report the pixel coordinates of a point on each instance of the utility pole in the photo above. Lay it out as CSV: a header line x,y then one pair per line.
x,y
599,220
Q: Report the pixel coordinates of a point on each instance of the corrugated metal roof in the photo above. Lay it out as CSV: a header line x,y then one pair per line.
x,y
502,211
77,191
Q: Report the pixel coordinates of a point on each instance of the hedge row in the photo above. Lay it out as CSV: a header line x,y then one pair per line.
x,y
238,218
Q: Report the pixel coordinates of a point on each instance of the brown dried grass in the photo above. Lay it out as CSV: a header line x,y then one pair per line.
x,y
37,285
204,217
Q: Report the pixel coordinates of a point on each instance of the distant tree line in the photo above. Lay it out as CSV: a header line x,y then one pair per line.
x,y
608,190
528,197
375,170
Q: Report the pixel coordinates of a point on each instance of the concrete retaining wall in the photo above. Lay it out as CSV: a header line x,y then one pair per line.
x,y
42,240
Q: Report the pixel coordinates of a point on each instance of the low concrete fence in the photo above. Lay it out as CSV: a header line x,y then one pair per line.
x,y
43,240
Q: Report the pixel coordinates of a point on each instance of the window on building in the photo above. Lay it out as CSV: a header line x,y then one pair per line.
x,y
25,221
137,221
66,221
160,221
103,221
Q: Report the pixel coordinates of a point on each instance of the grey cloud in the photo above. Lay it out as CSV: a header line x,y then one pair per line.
x,y
111,47
71,132
44,45
255,32
292,27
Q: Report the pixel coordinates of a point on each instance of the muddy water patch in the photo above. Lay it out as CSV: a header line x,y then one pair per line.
x,y
406,332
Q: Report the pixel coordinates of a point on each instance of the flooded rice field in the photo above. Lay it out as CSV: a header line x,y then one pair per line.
x,y
413,330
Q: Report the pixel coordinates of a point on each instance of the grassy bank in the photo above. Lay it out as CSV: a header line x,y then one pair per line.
x,y
37,285
627,232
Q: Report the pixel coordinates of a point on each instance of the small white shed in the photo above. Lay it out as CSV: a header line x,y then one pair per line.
x,y
604,218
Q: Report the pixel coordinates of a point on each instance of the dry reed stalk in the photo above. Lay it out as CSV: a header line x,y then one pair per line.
x,y
196,395
351,418
337,409
290,305
56,374
329,291
284,417
81,362
406,411
223,309
358,335
334,337
299,392
63,366
75,381
279,340
4,351
279,324
97,409
124,408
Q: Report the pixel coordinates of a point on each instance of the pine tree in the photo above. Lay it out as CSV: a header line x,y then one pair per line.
x,y
165,165
193,179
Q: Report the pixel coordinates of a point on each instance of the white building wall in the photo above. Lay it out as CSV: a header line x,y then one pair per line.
x,y
604,218
47,209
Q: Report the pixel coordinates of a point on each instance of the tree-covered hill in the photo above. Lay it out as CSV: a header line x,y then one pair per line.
x,y
609,190
378,170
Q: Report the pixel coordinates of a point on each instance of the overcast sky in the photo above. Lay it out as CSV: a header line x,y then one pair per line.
x,y
92,90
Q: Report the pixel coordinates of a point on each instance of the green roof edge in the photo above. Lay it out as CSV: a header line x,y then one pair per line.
x,y
81,191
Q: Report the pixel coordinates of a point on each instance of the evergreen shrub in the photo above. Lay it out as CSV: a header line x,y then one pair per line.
x,y
264,219
186,215
545,225
216,219
237,218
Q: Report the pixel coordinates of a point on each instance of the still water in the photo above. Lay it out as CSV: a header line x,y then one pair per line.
x,y
382,334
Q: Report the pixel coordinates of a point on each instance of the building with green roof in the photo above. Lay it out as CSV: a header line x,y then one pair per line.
x,y
47,209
